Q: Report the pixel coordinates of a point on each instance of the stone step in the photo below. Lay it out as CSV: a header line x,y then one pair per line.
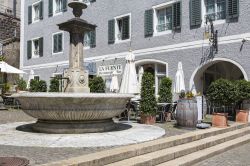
x,y
172,153
198,156
126,152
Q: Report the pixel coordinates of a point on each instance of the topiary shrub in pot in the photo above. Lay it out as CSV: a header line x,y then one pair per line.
x,y
21,85
148,103
54,85
242,96
165,94
38,86
221,93
97,85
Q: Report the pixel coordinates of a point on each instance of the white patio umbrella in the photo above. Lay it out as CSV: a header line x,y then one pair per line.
x,y
129,80
31,77
141,71
179,84
6,68
114,86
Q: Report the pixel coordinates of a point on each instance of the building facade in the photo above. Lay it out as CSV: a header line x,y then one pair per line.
x,y
10,36
209,37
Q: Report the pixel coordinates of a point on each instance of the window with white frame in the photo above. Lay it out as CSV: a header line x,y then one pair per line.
x,y
86,40
119,29
164,19
35,48
122,28
36,12
215,9
57,42
58,6
35,45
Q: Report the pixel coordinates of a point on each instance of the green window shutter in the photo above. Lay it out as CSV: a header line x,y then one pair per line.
x,y
55,50
125,28
29,49
195,13
29,14
65,3
232,9
111,31
176,15
93,39
59,42
148,23
41,10
40,47
50,8
92,1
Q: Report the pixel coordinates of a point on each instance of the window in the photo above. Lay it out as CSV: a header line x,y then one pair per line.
x,y
86,40
35,12
215,9
164,19
57,6
35,48
119,29
37,78
89,40
58,42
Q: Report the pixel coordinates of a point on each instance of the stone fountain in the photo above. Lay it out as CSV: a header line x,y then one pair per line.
x,y
76,110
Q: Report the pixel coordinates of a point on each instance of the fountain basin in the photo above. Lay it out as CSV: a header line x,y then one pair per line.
x,y
68,113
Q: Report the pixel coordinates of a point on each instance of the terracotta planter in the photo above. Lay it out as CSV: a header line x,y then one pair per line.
x,y
147,119
219,120
242,116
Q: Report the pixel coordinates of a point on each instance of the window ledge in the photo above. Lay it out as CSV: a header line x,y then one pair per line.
x,y
57,53
86,47
57,13
216,22
162,33
122,41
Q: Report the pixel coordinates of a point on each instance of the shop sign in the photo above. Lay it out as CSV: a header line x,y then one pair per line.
x,y
108,70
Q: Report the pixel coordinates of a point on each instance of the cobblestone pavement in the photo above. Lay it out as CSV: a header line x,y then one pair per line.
x,y
38,155
239,156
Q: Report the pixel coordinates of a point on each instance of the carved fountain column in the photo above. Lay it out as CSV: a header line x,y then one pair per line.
x,y
77,76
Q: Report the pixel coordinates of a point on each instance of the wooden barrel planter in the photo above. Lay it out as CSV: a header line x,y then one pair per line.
x,y
187,113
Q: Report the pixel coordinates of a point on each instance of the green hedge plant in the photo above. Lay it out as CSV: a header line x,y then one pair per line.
x,y
222,92
54,85
148,101
38,86
165,91
21,84
242,90
97,85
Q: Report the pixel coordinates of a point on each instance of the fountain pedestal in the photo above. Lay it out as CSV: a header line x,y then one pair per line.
x,y
77,27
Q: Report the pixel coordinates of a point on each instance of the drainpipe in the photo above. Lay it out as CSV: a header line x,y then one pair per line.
x,y
14,8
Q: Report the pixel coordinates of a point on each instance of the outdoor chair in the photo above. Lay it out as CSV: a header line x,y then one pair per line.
x,y
162,109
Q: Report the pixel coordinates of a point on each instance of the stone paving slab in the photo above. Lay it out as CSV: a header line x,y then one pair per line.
x,y
239,156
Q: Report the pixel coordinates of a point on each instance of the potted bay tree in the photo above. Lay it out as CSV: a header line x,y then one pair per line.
x,y
148,103
221,93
